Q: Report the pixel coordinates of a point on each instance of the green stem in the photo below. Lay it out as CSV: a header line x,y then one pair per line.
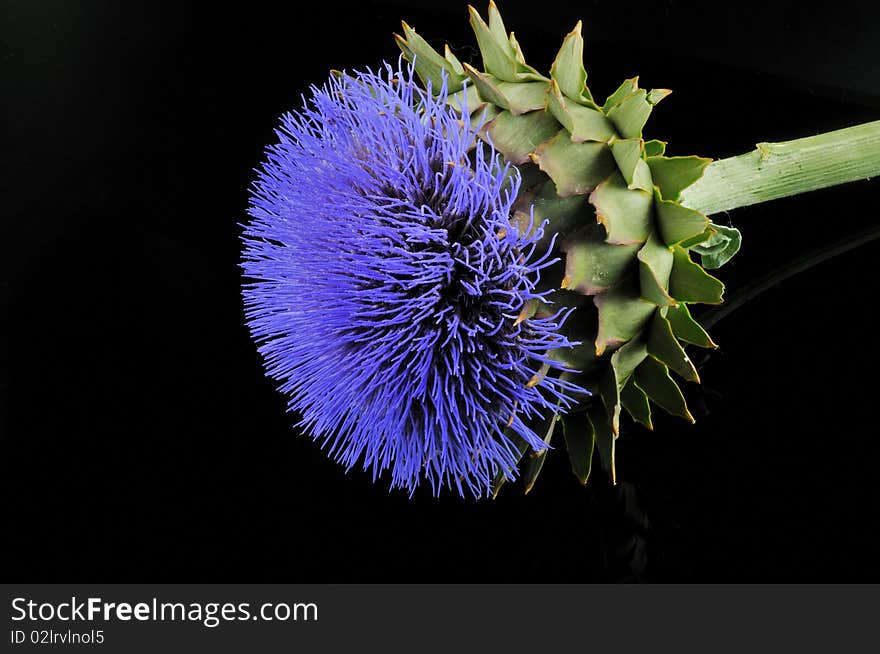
x,y
777,170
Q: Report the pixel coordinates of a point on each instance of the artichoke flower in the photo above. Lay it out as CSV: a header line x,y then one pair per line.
x,y
441,274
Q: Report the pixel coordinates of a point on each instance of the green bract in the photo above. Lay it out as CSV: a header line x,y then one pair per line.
x,y
625,238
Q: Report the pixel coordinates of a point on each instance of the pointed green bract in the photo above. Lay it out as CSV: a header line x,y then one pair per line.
x,y
634,400
631,114
516,98
496,26
583,122
604,439
453,60
628,155
517,137
525,96
518,53
623,364
690,283
499,57
540,203
568,69
628,87
655,266
625,213
486,87
653,377
430,65
580,440
686,328
674,174
622,315
656,95
678,223
663,346
592,265
575,168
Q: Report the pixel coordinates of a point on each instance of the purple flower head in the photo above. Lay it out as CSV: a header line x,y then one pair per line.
x,y
385,283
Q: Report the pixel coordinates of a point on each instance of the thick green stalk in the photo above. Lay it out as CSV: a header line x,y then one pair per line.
x,y
777,170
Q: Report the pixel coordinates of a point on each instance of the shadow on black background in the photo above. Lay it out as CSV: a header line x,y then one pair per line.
x,y
143,442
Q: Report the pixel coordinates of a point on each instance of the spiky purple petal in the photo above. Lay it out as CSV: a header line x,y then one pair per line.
x,y
385,282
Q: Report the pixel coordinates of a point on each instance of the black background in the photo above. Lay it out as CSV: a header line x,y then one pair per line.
x,y
141,440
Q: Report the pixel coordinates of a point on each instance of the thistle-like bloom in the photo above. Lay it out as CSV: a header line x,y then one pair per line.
x,y
387,283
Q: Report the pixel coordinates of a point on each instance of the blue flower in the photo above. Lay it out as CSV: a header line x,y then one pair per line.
x,y
386,283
